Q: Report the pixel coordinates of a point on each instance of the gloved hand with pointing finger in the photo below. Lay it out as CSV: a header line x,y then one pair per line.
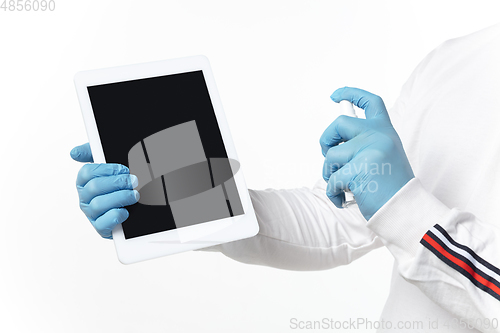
x,y
371,162
104,189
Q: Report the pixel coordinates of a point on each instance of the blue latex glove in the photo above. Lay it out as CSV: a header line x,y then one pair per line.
x,y
372,162
104,189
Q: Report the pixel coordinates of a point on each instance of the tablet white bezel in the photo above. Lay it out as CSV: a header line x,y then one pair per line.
x,y
182,239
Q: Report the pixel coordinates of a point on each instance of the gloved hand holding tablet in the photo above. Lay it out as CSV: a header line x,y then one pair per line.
x,y
104,189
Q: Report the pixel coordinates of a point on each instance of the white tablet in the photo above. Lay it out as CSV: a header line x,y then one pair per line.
x,y
164,120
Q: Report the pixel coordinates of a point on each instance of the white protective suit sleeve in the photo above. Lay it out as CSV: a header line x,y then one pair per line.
x,y
449,254
300,229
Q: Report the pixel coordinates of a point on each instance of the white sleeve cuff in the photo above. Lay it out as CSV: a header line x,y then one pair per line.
x,y
406,217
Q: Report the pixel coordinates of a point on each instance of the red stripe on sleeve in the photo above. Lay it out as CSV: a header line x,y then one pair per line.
x,y
462,264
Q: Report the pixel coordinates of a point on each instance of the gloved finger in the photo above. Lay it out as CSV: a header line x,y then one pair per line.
x,y
339,182
372,104
336,158
82,153
90,171
102,203
105,224
103,185
343,128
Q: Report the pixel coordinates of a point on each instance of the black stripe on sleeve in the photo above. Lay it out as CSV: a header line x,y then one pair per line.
x,y
465,248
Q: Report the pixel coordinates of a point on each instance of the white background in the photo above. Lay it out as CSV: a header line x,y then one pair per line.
x,y
275,63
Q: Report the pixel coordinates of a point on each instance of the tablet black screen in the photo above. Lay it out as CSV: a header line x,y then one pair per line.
x,y
130,113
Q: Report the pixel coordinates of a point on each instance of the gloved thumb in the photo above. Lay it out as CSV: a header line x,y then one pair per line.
x,y
82,153
372,104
